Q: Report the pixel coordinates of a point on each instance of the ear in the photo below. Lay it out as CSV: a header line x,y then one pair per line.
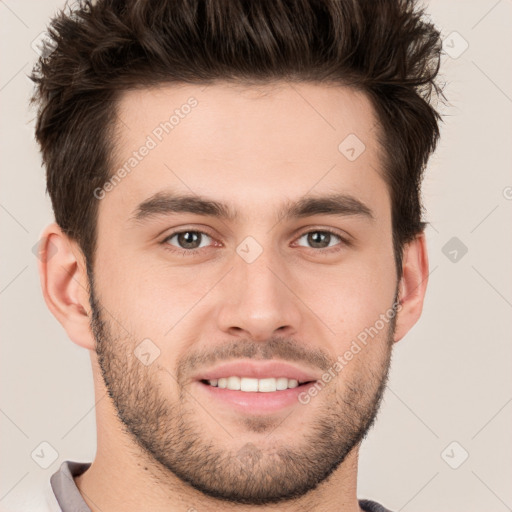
x,y
65,285
412,286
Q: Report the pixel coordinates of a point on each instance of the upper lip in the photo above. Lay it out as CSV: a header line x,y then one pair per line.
x,y
257,370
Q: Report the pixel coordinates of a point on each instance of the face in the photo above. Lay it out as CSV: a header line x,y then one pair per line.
x,y
245,241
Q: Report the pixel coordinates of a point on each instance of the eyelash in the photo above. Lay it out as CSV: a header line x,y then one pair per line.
x,y
194,252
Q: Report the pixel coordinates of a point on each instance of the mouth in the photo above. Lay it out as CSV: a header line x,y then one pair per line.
x,y
255,387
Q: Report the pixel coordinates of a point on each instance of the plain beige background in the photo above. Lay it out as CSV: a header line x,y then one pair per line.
x,y
450,392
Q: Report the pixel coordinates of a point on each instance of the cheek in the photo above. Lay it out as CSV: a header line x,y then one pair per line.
x,y
351,297
150,300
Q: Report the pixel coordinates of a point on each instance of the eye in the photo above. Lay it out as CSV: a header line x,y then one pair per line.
x,y
189,240
192,241
321,239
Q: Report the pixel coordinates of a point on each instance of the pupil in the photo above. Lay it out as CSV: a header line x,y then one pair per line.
x,y
319,237
188,239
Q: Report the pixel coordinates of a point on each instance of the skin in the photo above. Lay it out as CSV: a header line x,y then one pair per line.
x,y
254,148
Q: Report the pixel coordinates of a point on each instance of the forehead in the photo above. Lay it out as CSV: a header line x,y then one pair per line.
x,y
242,144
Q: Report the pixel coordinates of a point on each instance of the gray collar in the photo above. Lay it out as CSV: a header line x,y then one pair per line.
x,y
65,489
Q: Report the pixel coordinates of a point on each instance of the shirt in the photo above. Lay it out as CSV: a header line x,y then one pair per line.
x,y
64,495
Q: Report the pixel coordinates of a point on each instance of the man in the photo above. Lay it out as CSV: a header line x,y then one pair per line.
x,y
238,240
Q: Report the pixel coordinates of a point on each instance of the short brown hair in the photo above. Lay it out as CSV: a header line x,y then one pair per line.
x,y
385,48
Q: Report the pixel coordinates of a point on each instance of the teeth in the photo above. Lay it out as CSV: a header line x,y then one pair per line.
x,y
249,384
233,383
281,383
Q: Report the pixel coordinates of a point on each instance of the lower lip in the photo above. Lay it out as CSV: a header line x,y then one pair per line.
x,y
255,402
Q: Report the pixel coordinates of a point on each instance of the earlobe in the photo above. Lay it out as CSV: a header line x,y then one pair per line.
x,y
413,285
64,283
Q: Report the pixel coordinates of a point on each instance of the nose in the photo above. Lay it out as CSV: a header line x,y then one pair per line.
x,y
258,300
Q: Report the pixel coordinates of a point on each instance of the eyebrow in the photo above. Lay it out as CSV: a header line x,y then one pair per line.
x,y
166,203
